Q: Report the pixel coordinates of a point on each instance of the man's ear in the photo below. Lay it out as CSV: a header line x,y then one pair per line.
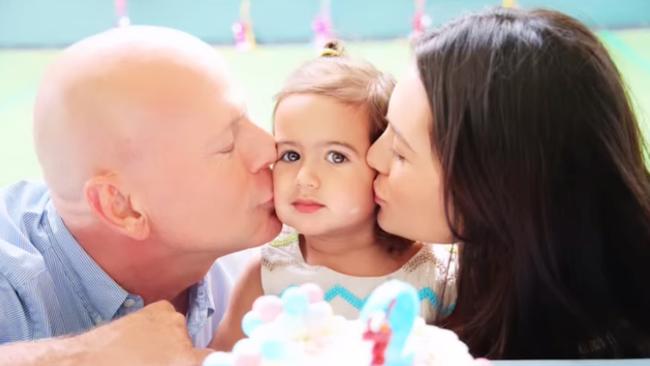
x,y
113,206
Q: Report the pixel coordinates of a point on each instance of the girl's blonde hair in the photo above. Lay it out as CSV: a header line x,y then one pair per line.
x,y
349,81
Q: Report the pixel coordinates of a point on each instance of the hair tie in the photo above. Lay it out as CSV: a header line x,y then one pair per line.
x,y
332,49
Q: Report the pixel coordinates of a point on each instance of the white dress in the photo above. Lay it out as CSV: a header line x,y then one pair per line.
x,y
432,271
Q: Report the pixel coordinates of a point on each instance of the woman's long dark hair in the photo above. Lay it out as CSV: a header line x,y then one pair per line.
x,y
543,163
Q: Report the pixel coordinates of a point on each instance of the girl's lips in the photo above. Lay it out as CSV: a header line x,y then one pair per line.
x,y
307,207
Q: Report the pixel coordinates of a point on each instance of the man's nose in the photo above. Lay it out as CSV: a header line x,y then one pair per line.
x,y
259,146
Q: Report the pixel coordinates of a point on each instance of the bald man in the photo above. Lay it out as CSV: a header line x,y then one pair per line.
x,y
153,171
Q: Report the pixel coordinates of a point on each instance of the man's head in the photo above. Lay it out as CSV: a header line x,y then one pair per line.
x,y
142,130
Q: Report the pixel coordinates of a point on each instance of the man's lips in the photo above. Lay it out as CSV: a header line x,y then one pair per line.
x,y
268,204
307,206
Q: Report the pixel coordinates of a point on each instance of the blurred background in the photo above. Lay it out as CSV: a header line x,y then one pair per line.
x,y
265,39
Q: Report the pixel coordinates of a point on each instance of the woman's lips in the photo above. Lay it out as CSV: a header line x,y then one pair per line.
x,y
378,199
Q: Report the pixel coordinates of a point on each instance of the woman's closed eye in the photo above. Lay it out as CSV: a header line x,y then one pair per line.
x,y
398,156
396,153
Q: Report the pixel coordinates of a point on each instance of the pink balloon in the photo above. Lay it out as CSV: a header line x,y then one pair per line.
x,y
268,307
248,360
314,292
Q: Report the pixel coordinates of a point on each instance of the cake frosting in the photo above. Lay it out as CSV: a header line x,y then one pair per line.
x,y
299,328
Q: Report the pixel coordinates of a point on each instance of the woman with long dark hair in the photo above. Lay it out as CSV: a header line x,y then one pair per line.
x,y
515,137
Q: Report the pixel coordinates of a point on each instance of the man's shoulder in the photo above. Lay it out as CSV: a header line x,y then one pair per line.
x,y
27,291
21,200
21,208
24,189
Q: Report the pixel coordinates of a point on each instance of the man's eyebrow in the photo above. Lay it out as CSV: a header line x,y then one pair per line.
x,y
232,124
238,117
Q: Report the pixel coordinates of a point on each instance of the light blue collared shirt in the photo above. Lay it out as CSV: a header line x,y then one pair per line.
x,y
49,286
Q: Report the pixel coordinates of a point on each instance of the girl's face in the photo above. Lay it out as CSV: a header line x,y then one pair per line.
x,y
322,183
409,185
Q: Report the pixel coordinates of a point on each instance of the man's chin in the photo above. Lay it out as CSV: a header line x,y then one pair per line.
x,y
273,228
265,231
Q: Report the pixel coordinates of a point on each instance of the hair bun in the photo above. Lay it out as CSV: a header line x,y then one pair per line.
x,y
332,48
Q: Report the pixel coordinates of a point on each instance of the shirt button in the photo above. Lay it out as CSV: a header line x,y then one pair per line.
x,y
98,319
128,303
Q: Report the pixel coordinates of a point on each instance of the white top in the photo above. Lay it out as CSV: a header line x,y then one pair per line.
x,y
432,271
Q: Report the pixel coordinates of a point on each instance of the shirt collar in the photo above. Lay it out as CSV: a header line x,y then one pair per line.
x,y
99,292
201,306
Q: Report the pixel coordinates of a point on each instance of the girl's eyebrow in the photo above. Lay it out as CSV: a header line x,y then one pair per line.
x,y
343,144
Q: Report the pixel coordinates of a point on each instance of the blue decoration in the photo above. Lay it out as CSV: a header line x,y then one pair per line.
x,y
400,302
273,350
295,301
250,322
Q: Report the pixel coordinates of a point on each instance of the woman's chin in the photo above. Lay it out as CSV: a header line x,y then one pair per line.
x,y
384,221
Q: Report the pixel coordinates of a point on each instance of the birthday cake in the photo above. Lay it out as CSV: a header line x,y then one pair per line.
x,y
299,328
